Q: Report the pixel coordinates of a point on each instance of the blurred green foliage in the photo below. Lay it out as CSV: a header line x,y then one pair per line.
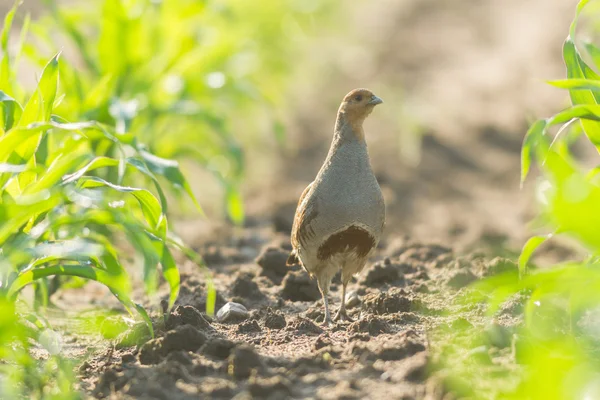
x,y
556,347
87,157
188,78
66,198
20,375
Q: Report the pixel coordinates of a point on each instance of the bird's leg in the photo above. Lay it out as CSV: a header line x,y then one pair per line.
x,y
324,288
327,322
342,315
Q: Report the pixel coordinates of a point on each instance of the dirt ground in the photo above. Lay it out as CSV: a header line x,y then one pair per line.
x,y
281,350
463,79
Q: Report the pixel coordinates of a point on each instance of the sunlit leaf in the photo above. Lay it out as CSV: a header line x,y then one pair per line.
x,y
149,204
528,249
170,170
531,141
11,111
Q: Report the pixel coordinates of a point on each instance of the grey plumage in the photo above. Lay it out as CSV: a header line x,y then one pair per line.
x,y
340,215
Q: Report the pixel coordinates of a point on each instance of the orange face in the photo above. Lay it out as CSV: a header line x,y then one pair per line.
x,y
359,103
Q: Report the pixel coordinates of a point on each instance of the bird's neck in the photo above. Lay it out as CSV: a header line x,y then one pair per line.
x,y
348,128
348,139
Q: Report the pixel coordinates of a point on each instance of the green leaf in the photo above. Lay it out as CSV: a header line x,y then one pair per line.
x,y
141,166
55,172
576,84
580,6
98,162
21,214
235,206
17,135
528,249
171,274
11,111
594,52
75,34
149,204
532,140
5,72
170,170
211,298
39,106
117,284
584,111
575,70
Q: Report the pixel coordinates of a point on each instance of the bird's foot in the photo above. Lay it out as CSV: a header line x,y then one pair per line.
x,y
342,315
327,324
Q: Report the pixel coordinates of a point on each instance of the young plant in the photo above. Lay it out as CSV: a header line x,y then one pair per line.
x,y
190,79
556,347
64,203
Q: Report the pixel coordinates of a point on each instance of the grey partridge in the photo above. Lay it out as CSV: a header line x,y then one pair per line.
x,y
340,215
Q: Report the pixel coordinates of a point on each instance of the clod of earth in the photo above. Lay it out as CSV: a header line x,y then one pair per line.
x,y
184,337
393,301
298,286
371,324
249,326
383,273
193,292
187,315
500,265
243,361
218,348
274,319
460,278
304,326
245,286
272,262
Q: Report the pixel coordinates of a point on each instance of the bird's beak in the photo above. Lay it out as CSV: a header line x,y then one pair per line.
x,y
375,100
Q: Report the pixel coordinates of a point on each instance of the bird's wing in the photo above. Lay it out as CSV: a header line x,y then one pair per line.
x,y
305,213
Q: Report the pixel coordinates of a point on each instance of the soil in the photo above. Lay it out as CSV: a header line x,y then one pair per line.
x,y
462,80
282,349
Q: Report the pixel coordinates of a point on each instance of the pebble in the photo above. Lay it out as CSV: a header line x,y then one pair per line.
x,y
352,299
232,311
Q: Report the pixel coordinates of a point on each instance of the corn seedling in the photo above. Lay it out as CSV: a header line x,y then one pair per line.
x,y
556,347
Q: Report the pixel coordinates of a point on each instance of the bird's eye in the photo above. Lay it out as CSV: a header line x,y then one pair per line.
x,y
358,98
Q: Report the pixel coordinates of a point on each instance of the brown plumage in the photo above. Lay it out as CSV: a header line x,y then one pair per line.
x,y
340,215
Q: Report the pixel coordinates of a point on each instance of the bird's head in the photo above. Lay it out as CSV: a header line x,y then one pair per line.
x,y
358,104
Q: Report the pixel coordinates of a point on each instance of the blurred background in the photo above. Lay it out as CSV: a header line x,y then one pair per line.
x,y
249,110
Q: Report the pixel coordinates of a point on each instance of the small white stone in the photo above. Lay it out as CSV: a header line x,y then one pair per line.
x,y
232,311
352,299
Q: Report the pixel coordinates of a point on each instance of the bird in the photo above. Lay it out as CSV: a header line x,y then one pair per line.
x,y
340,216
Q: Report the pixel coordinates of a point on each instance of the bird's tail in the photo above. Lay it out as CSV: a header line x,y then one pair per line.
x,y
292,259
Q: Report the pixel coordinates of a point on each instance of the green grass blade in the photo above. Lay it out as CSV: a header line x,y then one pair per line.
x,y
528,249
